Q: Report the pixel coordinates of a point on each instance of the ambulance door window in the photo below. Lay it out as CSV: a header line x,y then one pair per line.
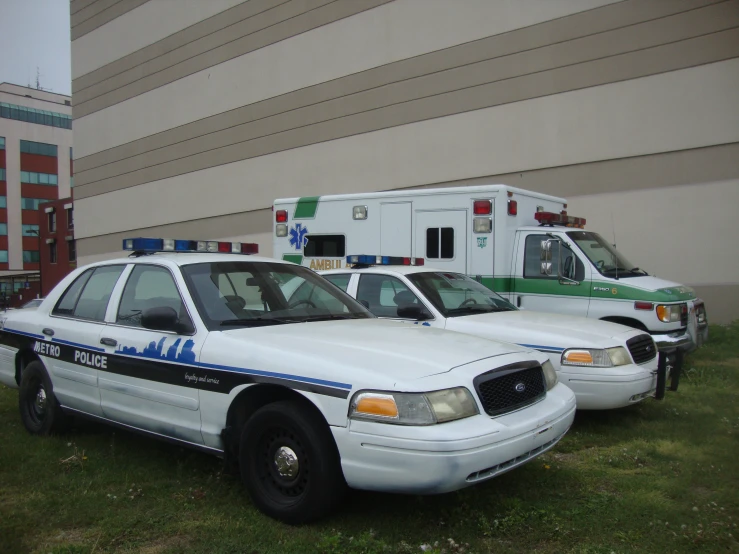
x,y
572,267
385,294
440,243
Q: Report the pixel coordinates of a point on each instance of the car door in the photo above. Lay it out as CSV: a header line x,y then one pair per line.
x,y
151,383
565,291
73,328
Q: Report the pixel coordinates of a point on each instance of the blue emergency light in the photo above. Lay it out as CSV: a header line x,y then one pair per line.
x,y
175,245
363,259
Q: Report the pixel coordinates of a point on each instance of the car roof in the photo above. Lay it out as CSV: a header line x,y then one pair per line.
x,y
399,269
187,258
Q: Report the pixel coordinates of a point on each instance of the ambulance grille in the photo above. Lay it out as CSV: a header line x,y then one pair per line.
x,y
642,349
511,387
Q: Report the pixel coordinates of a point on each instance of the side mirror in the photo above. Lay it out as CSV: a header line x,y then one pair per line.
x,y
163,318
545,255
413,311
364,303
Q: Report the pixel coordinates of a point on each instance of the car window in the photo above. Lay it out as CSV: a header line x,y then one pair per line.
x,y
148,286
341,281
96,286
454,294
251,294
384,294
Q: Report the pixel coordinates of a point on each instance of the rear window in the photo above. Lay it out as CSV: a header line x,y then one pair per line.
x,y
325,246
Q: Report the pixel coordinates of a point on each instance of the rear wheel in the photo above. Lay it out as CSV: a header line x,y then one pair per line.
x,y
39,409
289,463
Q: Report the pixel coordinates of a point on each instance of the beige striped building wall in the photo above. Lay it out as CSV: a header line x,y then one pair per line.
x,y
191,117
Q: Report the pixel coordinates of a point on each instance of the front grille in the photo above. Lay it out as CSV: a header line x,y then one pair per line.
x,y
510,387
683,314
642,348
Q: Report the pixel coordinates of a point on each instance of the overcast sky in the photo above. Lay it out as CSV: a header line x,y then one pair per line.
x,y
35,33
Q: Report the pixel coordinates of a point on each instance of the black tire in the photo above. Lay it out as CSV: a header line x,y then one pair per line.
x,y
40,411
304,491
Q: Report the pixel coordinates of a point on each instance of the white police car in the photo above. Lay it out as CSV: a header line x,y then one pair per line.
x,y
607,365
204,350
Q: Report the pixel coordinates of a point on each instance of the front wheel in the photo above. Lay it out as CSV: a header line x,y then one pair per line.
x,y
39,409
290,464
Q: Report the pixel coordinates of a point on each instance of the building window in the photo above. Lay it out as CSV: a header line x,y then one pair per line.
x,y
39,178
29,230
2,143
3,256
31,203
2,173
3,229
70,153
70,218
52,222
71,182
3,201
72,250
41,148
30,256
52,252
32,115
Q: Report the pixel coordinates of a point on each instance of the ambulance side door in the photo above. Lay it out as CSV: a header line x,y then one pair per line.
x,y
565,291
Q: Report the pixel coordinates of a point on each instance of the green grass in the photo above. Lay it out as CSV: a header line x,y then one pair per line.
x,y
657,477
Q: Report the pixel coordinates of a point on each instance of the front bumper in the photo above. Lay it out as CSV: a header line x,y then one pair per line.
x,y
669,341
450,456
601,391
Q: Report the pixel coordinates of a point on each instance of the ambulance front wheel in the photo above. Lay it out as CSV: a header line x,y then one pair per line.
x,y
290,464
39,409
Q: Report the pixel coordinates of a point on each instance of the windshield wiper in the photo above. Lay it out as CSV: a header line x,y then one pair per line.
x,y
476,308
635,269
326,317
256,321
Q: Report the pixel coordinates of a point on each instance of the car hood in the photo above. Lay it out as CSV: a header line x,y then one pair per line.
x,y
541,330
400,351
647,287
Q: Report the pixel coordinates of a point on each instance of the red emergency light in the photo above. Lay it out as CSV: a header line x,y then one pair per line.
x,y
482,207
281,216
550,218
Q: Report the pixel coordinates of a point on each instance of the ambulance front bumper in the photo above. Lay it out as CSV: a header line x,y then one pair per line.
x,y
450,456
669,341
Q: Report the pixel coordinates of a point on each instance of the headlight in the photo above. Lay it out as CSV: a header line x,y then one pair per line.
x,y
609,357
549,374
668,313
403,408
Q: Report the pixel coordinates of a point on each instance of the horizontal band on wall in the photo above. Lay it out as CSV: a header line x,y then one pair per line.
x,y
298,129
98,13
282,22
536,48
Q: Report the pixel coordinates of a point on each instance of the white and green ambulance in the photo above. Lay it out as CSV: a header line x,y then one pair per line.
x,y
519,243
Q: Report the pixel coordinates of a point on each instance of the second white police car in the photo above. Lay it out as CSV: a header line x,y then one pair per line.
x,y
199,346
607,365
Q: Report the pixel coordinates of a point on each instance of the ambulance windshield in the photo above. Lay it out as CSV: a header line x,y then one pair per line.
x,y
255,294
607,260
454,294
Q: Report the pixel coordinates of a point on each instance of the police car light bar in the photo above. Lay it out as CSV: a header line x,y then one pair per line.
x,y
550,218
383,260
172,245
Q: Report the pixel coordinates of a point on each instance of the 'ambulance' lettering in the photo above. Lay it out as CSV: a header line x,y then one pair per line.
x,y
325,264
93,360
46,349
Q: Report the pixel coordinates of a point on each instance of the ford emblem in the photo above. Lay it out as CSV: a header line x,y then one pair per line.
x,y
649,348
520,387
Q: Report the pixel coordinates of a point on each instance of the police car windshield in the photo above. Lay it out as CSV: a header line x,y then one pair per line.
x,y
454,294
607,260
254,294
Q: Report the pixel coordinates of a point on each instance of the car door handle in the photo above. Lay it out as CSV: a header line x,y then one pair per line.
x,y
108,342
47,331
518,301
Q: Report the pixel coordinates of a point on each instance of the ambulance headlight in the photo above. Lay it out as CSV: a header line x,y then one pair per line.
x,y
281,230
402,408
668,313
550,375
610,357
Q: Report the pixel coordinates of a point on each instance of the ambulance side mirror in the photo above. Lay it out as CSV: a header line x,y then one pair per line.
x,y
546,257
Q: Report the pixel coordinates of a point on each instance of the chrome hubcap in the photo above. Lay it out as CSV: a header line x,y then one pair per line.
x,y
286,462
40,401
